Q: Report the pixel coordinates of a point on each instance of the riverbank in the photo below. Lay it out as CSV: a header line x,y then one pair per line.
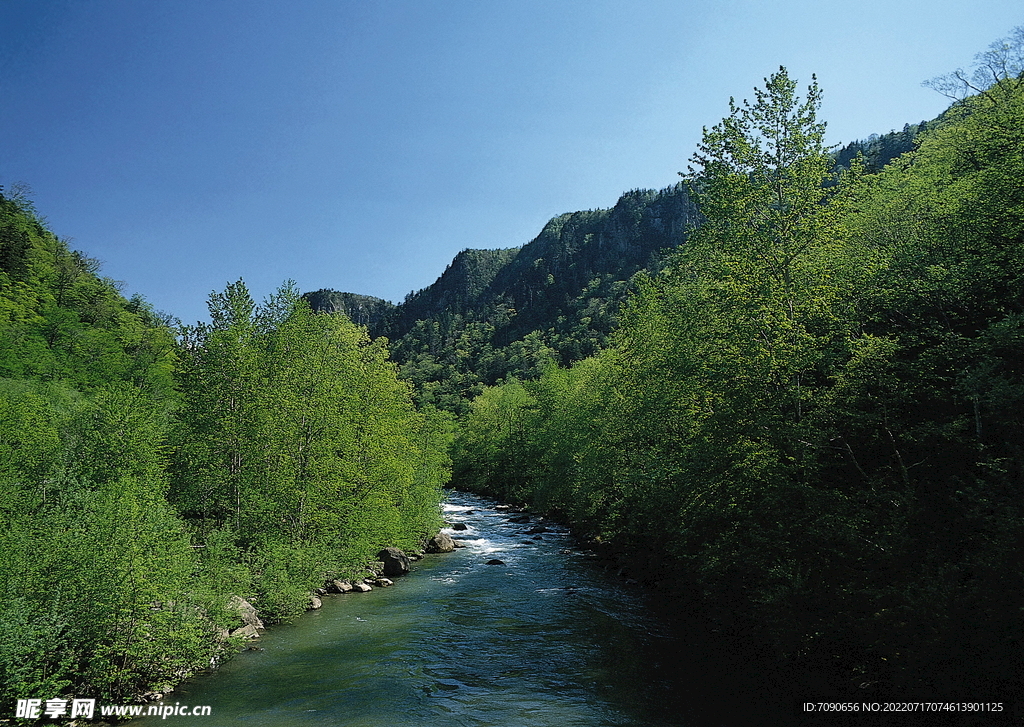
x,y
553,635
545,638
769,677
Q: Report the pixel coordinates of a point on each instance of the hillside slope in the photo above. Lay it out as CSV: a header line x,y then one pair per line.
x,y
499,313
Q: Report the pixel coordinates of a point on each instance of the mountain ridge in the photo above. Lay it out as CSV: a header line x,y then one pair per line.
x,y
496,313
510,312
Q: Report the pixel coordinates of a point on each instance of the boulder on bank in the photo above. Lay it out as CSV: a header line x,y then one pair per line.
x,y
441,543
338,586
246,632
361,587
314,603
396,563
246,611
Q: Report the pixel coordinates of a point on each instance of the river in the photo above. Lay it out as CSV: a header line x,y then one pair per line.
x,y
550,637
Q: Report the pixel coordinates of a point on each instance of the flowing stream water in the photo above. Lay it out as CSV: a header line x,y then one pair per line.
x,y
548,638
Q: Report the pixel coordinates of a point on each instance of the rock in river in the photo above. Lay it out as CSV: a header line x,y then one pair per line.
x,y
441,543
396,563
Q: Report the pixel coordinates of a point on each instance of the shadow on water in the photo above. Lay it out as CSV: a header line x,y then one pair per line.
x,y
547,637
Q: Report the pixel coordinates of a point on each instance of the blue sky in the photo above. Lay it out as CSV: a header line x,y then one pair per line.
x,y
360,145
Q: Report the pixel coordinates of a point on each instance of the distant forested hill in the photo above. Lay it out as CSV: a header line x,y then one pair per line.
x,y
499,313
880,149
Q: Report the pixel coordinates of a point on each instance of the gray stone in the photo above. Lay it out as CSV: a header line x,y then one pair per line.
x,y
441,543
245,610
246,632
396,563
315,603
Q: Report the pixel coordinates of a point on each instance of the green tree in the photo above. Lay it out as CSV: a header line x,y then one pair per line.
x,y
298,445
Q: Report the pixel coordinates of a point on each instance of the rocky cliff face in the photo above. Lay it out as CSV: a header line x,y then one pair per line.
x,y
363,310
539,279
546,279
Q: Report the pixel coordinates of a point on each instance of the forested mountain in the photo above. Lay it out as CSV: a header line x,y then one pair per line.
x,y
151,480
811,417
499,313
493,314
463,288
59,320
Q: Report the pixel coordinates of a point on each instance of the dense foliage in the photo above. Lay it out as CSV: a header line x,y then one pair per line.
x,y
295,435
813,412
148,477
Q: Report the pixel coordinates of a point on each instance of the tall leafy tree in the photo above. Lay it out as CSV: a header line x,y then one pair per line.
x,y
298,443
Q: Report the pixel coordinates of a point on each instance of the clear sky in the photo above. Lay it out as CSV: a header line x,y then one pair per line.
x,y
359,145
